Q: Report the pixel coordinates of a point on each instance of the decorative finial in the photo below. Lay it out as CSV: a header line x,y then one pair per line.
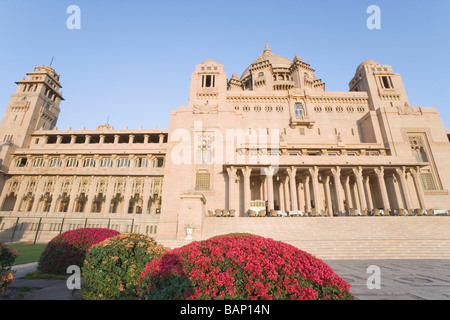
x,y
267,50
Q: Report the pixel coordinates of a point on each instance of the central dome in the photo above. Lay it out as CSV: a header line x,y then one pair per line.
x,y
274,60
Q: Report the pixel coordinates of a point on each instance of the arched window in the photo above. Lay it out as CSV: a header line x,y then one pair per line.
x,y
299,111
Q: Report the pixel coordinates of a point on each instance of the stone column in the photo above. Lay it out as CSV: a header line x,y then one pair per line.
x,y
307,194
56,193
380,175
294,201
368,193
269,178
247,191
419,189
231,187
109,195
338,186
280,195
91,194
287,202
21,193
38,193
359,183
348,194
402,175
328,196
315,183
73,194
127,195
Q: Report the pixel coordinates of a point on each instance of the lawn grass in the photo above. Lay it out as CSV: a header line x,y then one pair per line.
x,y
28,252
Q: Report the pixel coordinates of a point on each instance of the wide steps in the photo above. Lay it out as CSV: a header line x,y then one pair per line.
x,y
334,238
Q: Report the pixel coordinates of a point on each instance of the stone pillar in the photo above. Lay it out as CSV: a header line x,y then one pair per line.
x,y
315,184
380,175
146,137
338,188
56,193
348,195
402,175
269,178
21,193
328,196
419,189
109,195
161,138
231,188
247,191
280,194
287,202
368,192
38,194
73,194
307,194
91,194
359,183
127,195
294,201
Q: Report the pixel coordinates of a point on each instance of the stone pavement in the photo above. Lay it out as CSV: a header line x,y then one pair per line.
x,y
399,280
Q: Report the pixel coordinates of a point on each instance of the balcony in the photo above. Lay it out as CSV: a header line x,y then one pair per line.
x,y
302,121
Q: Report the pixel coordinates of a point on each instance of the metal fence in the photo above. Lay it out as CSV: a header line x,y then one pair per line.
x,y
33,229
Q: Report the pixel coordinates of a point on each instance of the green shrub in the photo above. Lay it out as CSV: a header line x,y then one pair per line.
x,y
7,257
112,268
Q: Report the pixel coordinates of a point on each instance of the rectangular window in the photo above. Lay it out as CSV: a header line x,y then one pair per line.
x,y
55,162
428,181
299,111
106,163
89,163
158,163
72,163
387,82
202,181
208,81
123,163
141,163
21,162
38,162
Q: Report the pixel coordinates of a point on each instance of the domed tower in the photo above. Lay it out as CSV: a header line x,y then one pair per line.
x,y
384,87
34,106
271,72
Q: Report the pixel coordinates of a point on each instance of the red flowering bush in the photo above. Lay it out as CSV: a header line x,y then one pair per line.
x,y
70,248
242,267
112,267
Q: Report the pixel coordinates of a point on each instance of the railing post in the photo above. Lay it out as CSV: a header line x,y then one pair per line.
x,y
62,223
132,225
14,231
109,223
37,231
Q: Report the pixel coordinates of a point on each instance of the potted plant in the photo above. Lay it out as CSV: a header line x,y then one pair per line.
x,y
189,229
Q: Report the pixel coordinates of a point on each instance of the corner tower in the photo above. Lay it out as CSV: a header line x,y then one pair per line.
x,y
34,106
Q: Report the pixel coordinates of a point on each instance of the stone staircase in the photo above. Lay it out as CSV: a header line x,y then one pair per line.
x,y
345,238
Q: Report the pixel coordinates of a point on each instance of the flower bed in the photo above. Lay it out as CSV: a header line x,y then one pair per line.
x,y
112,268
70,248
243,267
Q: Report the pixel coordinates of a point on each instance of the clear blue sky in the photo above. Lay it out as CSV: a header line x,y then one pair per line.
x,y
132,60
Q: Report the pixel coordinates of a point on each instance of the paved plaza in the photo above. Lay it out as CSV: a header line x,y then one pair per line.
x,y
399,280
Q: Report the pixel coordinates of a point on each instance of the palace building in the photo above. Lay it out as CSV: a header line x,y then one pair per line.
x,y
271,142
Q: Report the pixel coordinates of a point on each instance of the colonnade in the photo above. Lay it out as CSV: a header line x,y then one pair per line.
x,y
332,190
